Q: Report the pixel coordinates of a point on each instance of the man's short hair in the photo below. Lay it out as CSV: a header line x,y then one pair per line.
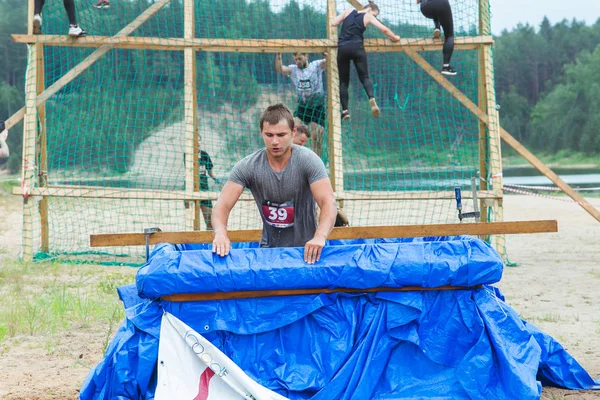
x,y
297,53
373,7
302,129
275,114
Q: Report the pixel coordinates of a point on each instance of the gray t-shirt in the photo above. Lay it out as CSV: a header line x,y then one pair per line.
x,y
284,199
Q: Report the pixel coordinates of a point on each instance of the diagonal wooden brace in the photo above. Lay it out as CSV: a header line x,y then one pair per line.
x,y
87,62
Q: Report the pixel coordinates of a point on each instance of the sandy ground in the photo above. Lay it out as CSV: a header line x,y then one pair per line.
x,y
555,287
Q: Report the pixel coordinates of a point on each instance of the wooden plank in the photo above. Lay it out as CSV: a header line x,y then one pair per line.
x,y
364,232
42,149
334,134
30,14
543,168
445,83
87,62
249,45
356,4
28,173
482,104
147,194
255,294
190,118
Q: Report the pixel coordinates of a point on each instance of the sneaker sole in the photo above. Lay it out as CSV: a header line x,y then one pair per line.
x,y
80,35
375,111
448,73
37,27
437,34
345,118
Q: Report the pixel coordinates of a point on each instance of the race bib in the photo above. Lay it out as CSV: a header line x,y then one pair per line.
x,y
278,215
305,87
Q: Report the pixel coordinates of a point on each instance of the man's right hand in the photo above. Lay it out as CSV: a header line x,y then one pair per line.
x,y
221,244
395,39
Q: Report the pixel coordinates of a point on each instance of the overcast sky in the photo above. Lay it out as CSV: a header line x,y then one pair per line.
x,y
506,14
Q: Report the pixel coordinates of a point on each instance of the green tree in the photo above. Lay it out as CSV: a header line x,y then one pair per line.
x,y
566,118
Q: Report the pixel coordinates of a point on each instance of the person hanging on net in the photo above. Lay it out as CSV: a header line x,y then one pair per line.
x,y
351,49
302,135
441,14
205,169
308,80
285,180
4,151
74,29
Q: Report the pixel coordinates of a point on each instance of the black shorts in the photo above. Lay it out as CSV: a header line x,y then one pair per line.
x,y
206,203
312,111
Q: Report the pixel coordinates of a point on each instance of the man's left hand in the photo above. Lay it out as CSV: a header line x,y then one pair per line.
x,y
313,248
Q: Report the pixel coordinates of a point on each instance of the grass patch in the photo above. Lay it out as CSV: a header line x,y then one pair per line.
x,y
48,299
594,274
551,317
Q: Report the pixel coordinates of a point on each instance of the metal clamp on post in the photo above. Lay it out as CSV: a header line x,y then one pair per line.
x,y
147,233
475,214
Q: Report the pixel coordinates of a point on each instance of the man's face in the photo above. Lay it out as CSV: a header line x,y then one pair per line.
x,y
300,139
301,60
278,138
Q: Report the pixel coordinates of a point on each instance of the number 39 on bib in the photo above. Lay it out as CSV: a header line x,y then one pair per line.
x,y
278,215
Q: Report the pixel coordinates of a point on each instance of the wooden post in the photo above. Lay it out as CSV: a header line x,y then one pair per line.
x,y
192,182
490,143
29,139
336,164
42,149
482,103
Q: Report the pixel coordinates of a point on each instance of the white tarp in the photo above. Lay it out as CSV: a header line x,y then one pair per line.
x,y
190,367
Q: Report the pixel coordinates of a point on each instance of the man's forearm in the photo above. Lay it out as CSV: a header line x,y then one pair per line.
x,y
326,220
219,221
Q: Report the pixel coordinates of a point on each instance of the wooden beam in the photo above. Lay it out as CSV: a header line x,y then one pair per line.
x,y
192,185
87,62
546,171
28,171
334,134
364,232
509,139
255,294
356,4
249,45
42,150
92,192
482,104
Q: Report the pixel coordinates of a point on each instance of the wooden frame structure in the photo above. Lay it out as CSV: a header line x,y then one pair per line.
x,y
34,137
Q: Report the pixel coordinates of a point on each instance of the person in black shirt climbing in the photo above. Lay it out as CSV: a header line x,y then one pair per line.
x,y
350,48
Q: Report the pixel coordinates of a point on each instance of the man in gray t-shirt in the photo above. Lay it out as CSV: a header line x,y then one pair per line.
x,y
286,181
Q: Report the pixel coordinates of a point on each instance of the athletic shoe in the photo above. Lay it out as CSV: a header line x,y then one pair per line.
x,y
345,115
102,4
76,31
448,70
437,33
37,24
374,109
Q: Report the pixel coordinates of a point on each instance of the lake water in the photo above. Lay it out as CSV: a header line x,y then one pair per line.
x,y
585,179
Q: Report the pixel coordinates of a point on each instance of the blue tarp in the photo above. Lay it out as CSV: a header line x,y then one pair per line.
x,y
453,344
